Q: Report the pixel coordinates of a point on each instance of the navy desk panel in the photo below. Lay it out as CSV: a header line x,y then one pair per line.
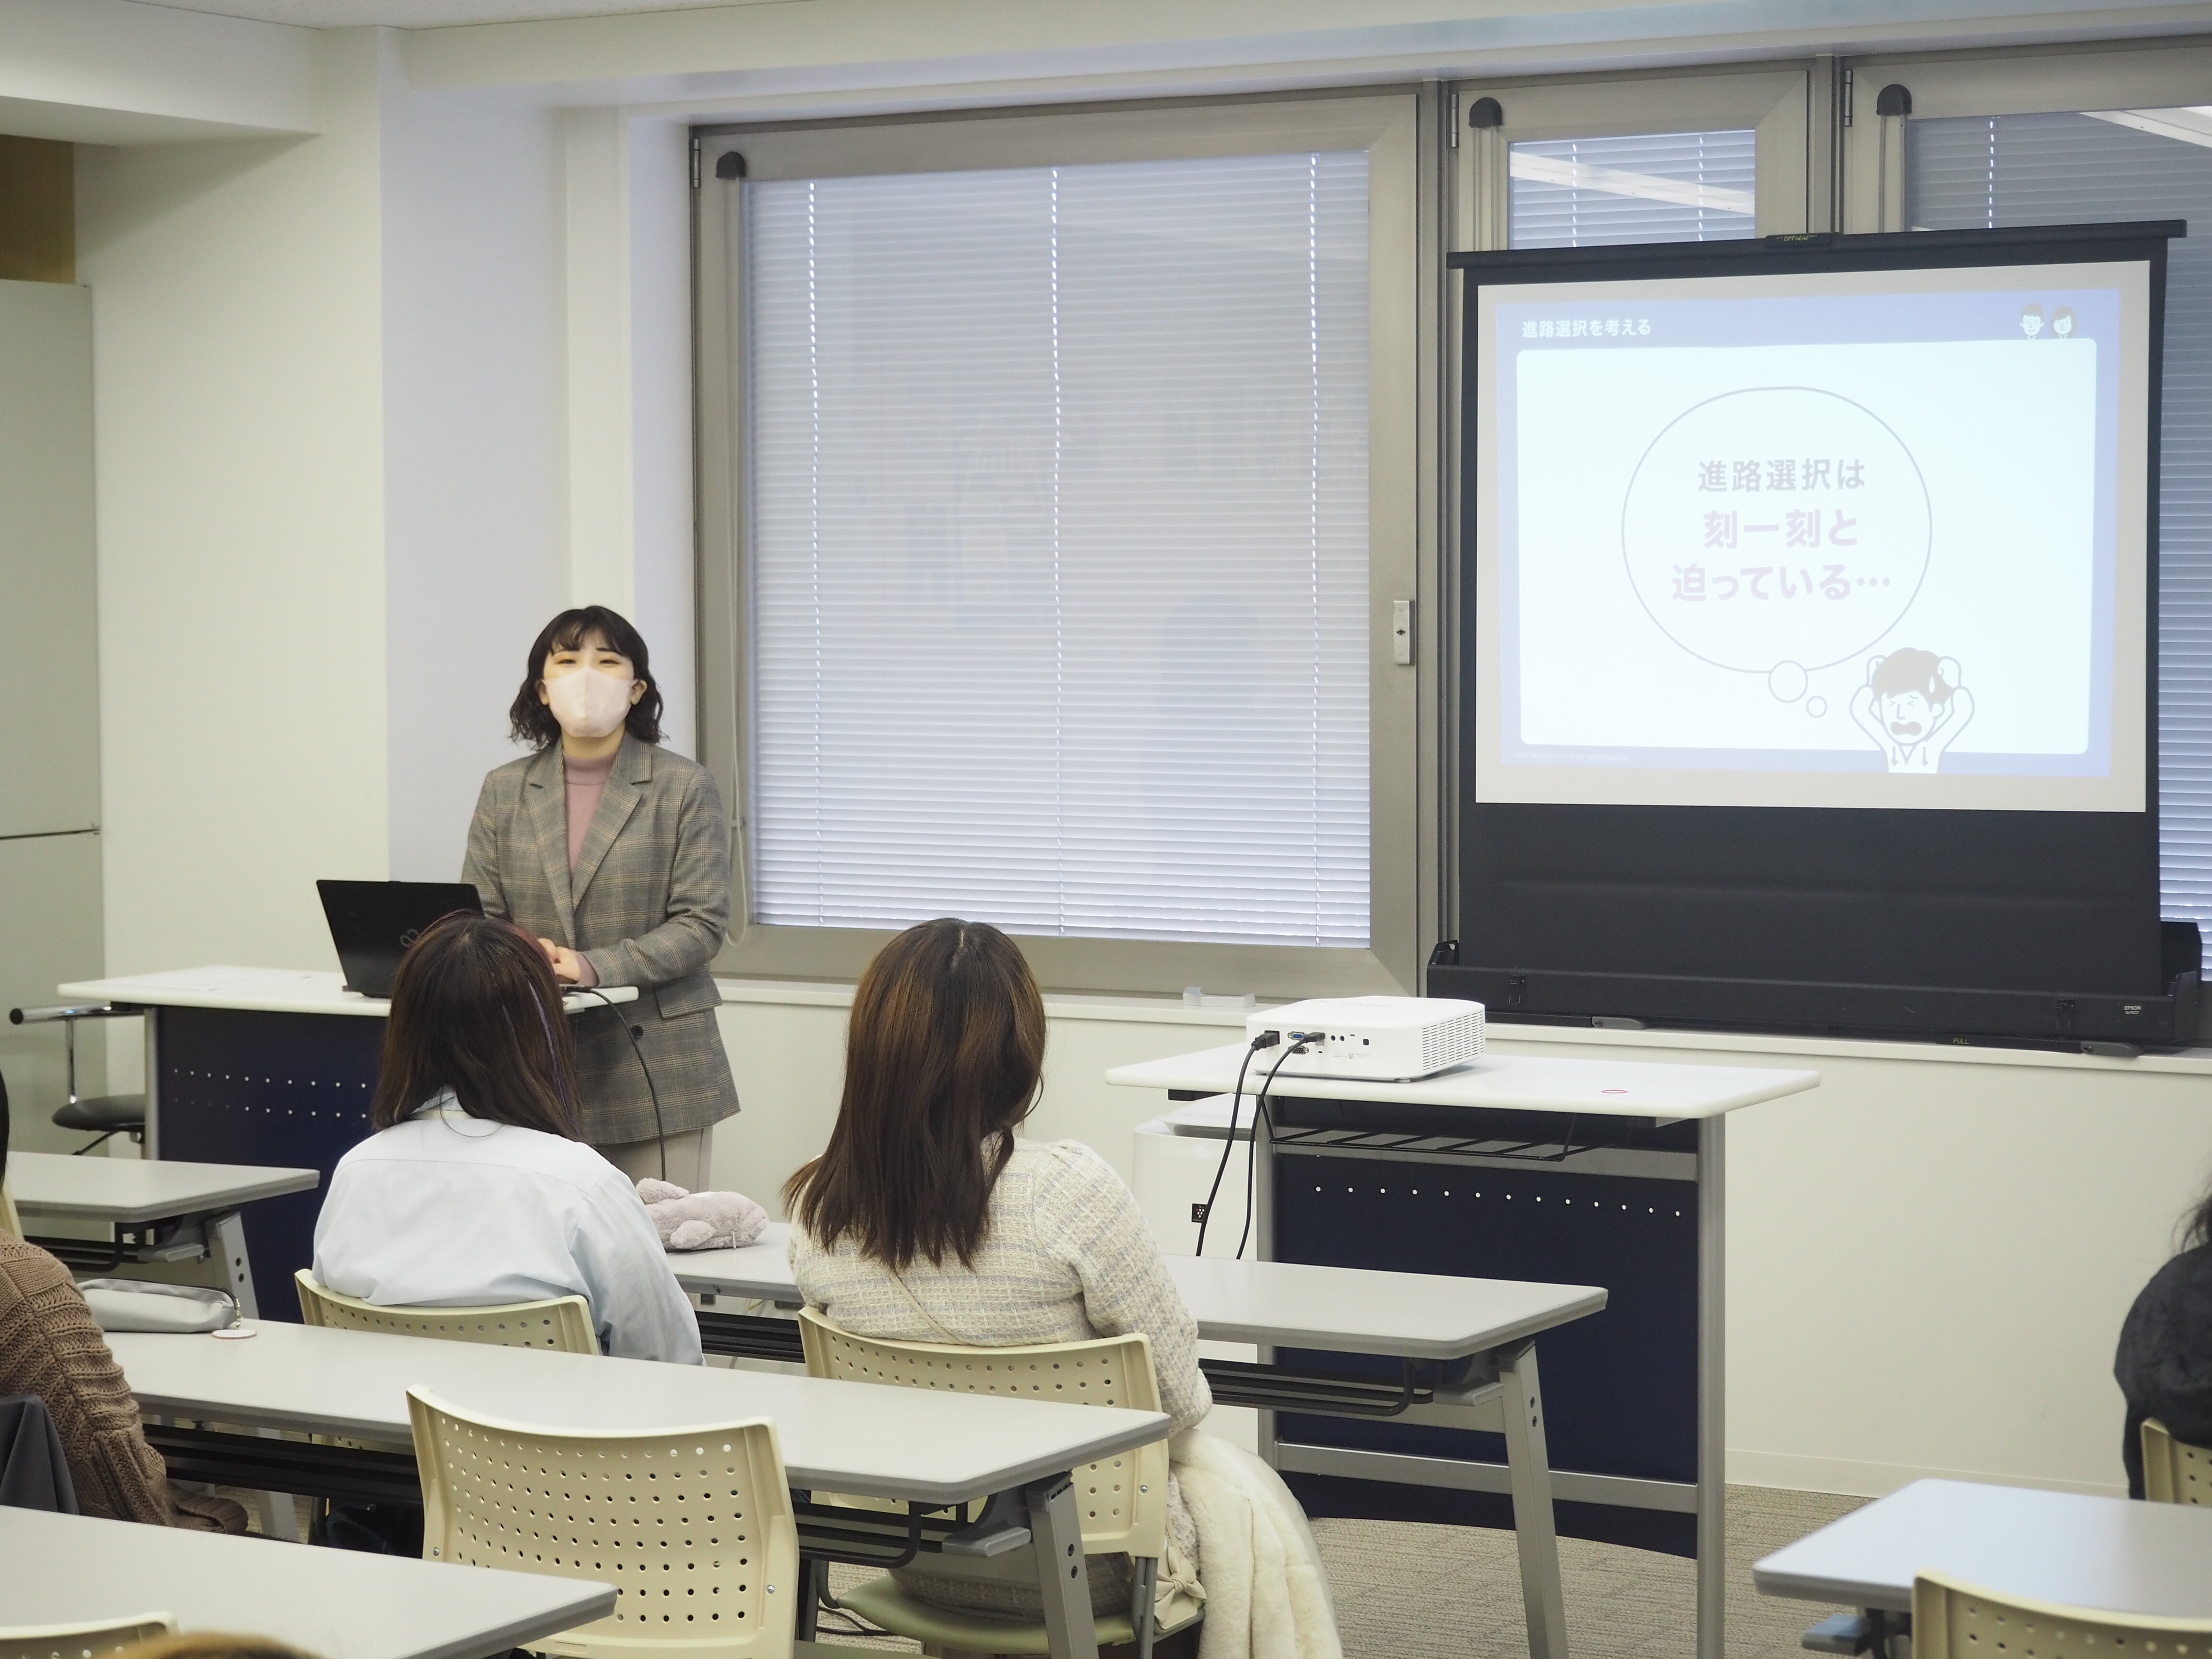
x,y
237,1086
1621,1387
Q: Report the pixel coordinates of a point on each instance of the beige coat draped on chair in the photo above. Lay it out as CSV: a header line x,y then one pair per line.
x,y
648,905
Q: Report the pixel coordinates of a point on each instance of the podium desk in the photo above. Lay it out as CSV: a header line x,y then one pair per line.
x,y
263,1066
1593,1172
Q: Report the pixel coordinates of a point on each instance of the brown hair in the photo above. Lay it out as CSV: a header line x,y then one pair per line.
x,y
944,1051
474,1009
529,720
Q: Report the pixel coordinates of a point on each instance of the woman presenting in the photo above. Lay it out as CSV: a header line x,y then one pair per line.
x,y
614,853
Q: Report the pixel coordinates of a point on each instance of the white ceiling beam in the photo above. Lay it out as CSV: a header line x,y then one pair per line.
x,y
114,72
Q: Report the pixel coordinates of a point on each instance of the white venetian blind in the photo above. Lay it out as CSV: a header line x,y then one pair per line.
x,y
1058,548
2126,164
1653,187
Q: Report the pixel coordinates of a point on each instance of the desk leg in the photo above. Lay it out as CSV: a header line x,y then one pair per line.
x,y
1057,1532
1712,1391
226,1236
1528,1466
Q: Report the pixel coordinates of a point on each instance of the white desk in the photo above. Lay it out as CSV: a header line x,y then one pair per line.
x,y
1479,1328
334,1604
1593,1121
137,1192
270,991
2069,1547
936,1449
126,1190
1342,1310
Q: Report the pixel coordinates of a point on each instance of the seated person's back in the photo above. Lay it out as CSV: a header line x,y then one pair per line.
x,y
51,1346
927,1220
476,1187
2164,1366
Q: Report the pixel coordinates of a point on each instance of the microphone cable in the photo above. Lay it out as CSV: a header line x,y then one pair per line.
x,y
653,1094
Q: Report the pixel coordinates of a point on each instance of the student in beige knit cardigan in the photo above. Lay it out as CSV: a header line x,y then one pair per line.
x,y
927,1219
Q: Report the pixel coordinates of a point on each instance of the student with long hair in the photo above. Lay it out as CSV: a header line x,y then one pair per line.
x,y
477,1186
2164,1366
928,1220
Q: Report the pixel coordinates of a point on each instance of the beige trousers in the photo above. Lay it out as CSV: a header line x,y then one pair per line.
x,y
690,1158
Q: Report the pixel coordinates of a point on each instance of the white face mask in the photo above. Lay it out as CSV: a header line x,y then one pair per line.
x,y
587,703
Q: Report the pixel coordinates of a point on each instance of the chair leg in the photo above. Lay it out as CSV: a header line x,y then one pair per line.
x,y
813,1579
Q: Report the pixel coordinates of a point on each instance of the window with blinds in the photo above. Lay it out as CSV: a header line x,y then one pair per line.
x,y
1658,187
1057,555
1965,172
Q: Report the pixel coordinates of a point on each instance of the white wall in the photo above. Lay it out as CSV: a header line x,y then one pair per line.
x,y
1929,1256
476,438
238,368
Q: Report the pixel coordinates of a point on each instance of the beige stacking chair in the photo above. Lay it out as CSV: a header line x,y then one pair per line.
x,y
1956,1620
95,1640
1123,1500
2174,1472
692,1527
561,1323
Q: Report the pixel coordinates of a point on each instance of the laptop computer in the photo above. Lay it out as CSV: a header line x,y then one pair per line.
x,y
374,922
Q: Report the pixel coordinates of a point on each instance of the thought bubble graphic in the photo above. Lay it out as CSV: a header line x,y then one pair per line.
x,y
1776,525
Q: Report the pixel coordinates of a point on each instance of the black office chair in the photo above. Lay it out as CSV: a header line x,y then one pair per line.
x,y
99,1115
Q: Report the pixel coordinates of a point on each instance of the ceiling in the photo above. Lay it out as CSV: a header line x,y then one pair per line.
x,y
428,14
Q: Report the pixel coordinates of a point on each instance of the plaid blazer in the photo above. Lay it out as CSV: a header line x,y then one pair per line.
x,y
648,906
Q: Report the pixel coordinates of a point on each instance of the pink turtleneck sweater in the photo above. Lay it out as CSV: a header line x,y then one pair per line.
x,y
586,781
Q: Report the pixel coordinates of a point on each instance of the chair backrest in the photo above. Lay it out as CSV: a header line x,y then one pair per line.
x,y
2174,1472
563,1323
1123,1499
692,1527
1953,1619
91,1641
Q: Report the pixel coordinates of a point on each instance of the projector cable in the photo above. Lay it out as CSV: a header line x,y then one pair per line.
x,y
1265,1040
1262,1121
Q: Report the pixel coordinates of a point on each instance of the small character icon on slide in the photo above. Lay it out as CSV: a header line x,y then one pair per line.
x,y
1913,707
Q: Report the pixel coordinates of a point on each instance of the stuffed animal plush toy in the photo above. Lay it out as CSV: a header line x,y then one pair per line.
x,y
701,1221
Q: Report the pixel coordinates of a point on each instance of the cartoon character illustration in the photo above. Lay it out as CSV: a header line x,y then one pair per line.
x,y
1913,707
2031,321
2061,321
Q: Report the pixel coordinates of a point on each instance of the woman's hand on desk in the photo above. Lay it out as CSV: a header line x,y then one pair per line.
x,y
567,966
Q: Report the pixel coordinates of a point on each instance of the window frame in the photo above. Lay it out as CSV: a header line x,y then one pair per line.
x,y
1398,128
2160,74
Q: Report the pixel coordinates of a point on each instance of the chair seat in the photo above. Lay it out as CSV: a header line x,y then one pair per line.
x,y
103,1114
882,1601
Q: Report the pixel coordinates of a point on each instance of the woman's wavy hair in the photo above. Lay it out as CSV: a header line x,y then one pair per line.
x,y
529,720
474,1009
942,1060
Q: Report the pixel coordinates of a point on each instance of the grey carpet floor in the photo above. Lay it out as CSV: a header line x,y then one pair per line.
x,y
1409,1591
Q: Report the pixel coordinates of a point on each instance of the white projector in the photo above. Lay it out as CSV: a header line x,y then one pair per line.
x,y
1369,1039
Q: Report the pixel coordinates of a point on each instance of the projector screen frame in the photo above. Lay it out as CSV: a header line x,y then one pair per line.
x,y
2048,931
